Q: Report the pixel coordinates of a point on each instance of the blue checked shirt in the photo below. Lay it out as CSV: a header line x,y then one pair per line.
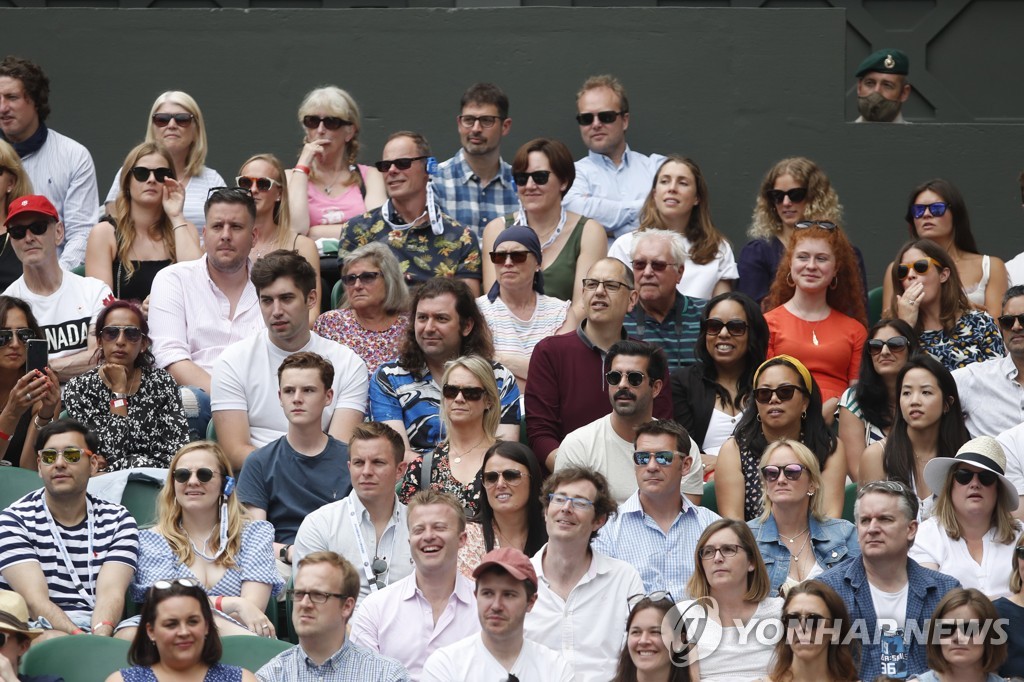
x,y
461,195
351,663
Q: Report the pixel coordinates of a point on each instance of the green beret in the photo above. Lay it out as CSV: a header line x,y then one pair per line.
x,y
885,61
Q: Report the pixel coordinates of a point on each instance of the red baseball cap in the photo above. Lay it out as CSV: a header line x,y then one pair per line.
x,y
31,203
512,560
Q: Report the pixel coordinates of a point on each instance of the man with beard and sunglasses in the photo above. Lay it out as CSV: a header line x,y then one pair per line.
x,y
65,304
635,377
882,87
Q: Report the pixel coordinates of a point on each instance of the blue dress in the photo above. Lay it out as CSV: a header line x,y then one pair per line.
x,y
217,673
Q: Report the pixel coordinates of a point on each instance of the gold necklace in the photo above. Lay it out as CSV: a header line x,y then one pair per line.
x,y
793,539
458,458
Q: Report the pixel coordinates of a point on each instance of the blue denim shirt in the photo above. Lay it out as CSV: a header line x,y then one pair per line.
x,y
832,541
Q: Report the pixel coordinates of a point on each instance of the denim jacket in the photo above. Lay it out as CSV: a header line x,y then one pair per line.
x,y
832,541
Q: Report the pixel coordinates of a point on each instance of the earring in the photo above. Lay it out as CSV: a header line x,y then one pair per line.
x,y
758,419
810,493
835,282
803,415
789,279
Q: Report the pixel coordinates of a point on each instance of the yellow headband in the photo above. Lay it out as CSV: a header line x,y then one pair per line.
x,y
792,362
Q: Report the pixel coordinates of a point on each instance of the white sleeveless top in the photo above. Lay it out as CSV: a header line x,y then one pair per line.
x,y
976,294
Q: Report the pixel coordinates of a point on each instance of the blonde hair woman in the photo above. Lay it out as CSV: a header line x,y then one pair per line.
x,y
14,183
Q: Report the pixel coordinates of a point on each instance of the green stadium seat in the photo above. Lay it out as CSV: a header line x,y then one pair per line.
x,y
708,500
874,305
16,482
77,659
139,498
251,653
850,498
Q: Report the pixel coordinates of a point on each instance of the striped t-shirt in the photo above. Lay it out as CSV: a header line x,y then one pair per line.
x,y
517,337
25,535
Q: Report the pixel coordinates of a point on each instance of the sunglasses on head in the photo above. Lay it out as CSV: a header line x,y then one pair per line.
x,y
141,173
633,378
203,474
112,333
938,209
656,265
605,117
540,177
23,334
792,472
796,195
511,476
784,392
38,228
402,164
249,181
714,326
659,595
920,266
1006,321
823,224
364,277
804,621
71,455
330,122
501,257
232,192
965,476
472,393
896,344
163,120
161,585
662,457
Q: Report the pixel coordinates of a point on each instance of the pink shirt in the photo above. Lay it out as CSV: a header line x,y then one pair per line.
x,y
337,209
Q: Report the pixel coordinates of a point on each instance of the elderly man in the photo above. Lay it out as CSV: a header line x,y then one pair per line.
x,y
882,87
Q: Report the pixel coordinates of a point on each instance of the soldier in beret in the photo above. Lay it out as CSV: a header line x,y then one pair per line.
x,y
882,86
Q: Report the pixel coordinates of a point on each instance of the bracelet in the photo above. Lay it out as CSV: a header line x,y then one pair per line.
x,y
78,631
5,436
177,226
100,624
218,603
303,169
118,402
40,422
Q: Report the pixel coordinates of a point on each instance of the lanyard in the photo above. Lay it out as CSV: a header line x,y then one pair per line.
x,y
58,541
364,555
436,224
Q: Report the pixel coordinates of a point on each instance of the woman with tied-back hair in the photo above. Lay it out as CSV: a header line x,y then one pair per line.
x,y
14,183
646,655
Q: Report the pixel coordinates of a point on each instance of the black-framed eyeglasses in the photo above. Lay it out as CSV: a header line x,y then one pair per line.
x,y
402,164
23,334
808,622
142,174
610,285
163,120
792,472
656,596
605,117
250,181
330,122
937,209
112,332
784,392
38,228
203,474
471,393
467,121
539,177
501,257
512,477
1006,321
634,377
71,455
365,277
965,476
315,596
823,224
895,344
714,326
708,552
795,195
642,458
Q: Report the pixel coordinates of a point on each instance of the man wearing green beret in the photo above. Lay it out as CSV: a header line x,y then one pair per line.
x,y
882,86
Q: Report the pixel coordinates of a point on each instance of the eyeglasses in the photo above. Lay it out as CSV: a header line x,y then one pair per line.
x,y
804,621
795,195
512,477
314,596
1006,321
540,177
171,582
330,122
38,228
501,257
633,378
610,285
163,120
402,164
71,455
471,393
560,500
203,474
112,333
602,116
965,476
467,121
823,224
714,326
792,472
920,267
938,209
895,344
784,392
365,277
229,192
141,173
262,184
656,265
708,552
659,595
642,458
23,334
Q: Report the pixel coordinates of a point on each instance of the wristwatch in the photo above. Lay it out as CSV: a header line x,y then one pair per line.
x,y
283,554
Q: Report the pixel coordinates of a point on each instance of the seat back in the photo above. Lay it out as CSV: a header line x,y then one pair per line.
x,y
708,500
251,653
336,291
81,658
15,483
139,498
849,499
875,305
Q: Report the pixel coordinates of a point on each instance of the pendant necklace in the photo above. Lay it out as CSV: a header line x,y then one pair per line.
x,y
791,540
458,458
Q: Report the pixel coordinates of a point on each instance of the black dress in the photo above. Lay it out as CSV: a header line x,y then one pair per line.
x,y
137,287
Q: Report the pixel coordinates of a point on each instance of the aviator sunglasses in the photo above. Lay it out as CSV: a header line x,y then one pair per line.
x,y
112,333
23,334
203,474
71,455
662,457
512,477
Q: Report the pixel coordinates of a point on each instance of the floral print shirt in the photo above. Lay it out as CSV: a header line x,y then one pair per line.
x,y
375,348
975,338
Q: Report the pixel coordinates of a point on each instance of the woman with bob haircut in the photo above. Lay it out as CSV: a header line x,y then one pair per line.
x,y
645,656
927,294
1012,610
679,202
794,511
177,638
928,424
729,569
14,183
327,187
936,210
176,122
963,639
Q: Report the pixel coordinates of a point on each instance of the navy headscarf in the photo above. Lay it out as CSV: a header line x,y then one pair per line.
x,y
523,234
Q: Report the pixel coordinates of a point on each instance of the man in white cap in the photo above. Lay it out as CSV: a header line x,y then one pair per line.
x,y
15,638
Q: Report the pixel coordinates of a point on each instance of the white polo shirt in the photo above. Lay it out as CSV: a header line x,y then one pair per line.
x,y
469,660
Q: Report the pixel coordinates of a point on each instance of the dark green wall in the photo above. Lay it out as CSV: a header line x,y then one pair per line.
x,y
736,89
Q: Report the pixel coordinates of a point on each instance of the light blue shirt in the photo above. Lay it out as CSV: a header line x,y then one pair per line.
x,y
350,663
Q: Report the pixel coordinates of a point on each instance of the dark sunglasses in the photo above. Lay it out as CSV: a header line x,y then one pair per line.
x,y
501,257
602,116
804,621
38,228
792,472
785,392
662,457
1019,551
364,277
511,476
23,334
633,378
71,455
472,393
538,177
1006,321
896,344
112,333
938,209
141,173
656,265
402,164
714,326
965,476
204,474
796,195
262,184
920,267
163,120
823,224
330,122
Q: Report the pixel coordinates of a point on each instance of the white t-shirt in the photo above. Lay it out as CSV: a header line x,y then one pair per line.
x,y
65,315
992,576
698,280
245,378
891,612
468,660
